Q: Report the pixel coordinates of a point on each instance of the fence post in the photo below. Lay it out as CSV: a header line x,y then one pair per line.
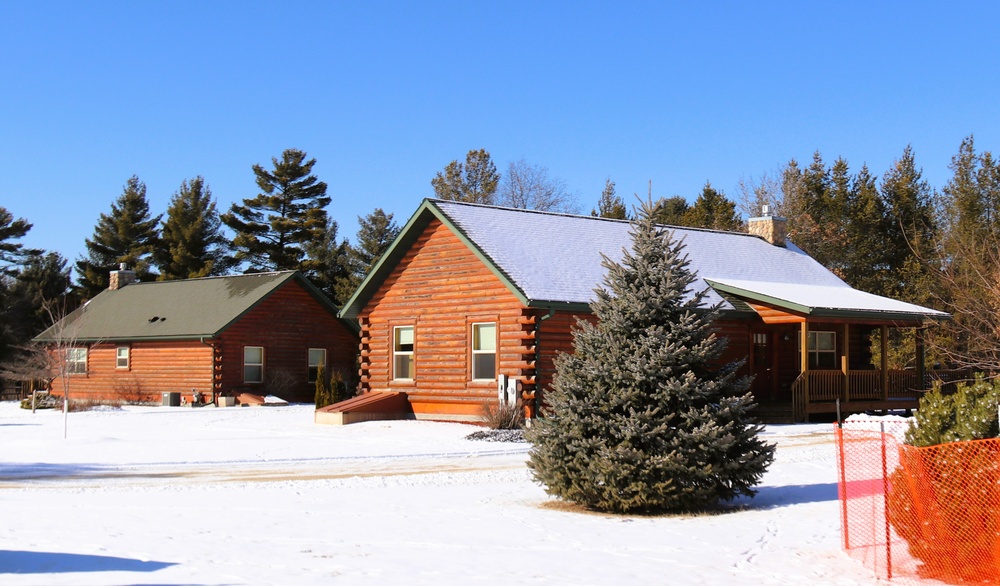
x,y
885,506
842,487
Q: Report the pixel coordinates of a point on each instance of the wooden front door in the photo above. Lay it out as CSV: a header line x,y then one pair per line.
x,y
762,365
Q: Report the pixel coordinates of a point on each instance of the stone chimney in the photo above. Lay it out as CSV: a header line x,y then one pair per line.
x,y
120,278
770,228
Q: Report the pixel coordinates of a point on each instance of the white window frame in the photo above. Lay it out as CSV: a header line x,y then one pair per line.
x,y
127,357
815,351
250,364
478,351
314,365
400,353
76,360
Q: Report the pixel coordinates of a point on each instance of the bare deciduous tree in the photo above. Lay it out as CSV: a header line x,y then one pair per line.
x,y
530,187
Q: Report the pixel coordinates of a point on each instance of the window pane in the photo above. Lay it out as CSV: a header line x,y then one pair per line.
x,y
122,357
483,366
404,366
317,356
826,341
404,339
484,337
826,360
253,355
253,373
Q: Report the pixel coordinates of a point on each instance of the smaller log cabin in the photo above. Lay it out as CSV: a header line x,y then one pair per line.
x,y
468,292
263,333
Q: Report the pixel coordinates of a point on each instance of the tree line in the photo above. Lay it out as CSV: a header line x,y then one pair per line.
x,y
892,235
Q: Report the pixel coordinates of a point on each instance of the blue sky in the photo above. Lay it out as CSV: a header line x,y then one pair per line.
x,y
385,94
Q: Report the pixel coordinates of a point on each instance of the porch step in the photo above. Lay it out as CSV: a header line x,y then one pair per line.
x,y
774,412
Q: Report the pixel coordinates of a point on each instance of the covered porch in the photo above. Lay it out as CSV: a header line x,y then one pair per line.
x,y
813,346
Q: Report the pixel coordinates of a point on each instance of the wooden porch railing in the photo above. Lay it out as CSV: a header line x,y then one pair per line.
x,y
863,385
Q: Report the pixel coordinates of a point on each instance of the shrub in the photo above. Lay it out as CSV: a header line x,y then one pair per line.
x,y
502,415
129,390
943,496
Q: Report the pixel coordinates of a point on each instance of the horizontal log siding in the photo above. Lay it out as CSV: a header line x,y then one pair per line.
x,y
441,288
154,368
286,325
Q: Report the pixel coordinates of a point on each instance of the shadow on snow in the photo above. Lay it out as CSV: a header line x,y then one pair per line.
x,y
42,562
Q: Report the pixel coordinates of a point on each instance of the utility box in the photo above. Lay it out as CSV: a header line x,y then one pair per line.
x,y
171,399
226,401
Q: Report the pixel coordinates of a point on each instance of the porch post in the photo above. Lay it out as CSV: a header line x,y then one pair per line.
x,y
885,362
845,363
921,373
805,359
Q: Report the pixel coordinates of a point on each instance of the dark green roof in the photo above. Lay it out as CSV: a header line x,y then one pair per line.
x,y
174,310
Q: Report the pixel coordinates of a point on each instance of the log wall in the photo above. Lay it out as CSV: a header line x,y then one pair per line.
x,y
441,288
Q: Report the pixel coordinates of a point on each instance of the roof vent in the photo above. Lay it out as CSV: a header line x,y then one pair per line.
x,y
154,318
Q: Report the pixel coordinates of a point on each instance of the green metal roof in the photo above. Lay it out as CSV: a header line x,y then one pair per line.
x,y
174,310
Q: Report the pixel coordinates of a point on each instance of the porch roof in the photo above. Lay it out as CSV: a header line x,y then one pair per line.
x,y
824,301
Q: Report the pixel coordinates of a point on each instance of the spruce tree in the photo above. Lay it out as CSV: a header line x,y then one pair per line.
x,y
192,243
127,235
273,228
641,416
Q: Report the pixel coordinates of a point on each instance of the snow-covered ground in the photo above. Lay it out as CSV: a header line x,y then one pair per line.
x,y
161,495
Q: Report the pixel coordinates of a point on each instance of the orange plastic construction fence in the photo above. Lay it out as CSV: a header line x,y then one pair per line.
x,y
913,513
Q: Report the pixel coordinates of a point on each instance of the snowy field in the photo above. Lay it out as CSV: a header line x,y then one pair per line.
x,y
161,495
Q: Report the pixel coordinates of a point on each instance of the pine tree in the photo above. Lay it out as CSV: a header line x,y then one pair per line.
x,y
712,210
324,395
671,211
12,253
273,228
192,243
127,235
642,417
376,231
610,205
326,264
475,181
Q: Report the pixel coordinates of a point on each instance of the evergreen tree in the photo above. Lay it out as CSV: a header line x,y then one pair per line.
x,y
475,181
671,211
376,233
865,263
713,210
127,235
969,260
327,264
610,205
192,243
273,228
23,295
911,233
642,416
324,395
12,253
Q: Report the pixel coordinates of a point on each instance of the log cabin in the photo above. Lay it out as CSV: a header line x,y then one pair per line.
x,y
261,334
470,297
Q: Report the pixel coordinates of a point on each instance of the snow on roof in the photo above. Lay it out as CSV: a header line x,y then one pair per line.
x,y
557,258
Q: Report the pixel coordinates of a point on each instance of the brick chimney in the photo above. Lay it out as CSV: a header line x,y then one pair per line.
x,y
770,228
120,278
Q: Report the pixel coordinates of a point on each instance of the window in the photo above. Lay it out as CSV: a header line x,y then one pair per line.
x,y
121,357
484,351
76,360
822,350
402,353
317,358
253,364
